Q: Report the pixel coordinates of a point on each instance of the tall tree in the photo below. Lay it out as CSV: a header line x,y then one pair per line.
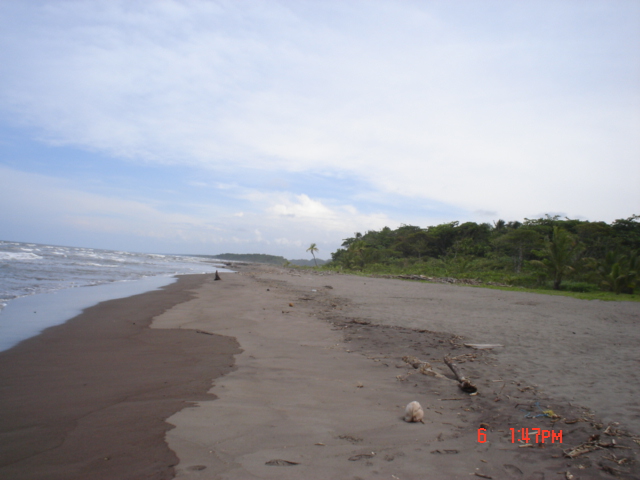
x,y
619,271
313,249
518,243
561,252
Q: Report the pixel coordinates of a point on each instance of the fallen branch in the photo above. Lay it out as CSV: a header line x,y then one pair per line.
x,y
464,384
594,443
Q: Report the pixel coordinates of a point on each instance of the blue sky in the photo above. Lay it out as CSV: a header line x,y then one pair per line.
x,y
263,126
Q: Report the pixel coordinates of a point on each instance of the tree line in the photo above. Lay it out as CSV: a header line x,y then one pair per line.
x,y
556,252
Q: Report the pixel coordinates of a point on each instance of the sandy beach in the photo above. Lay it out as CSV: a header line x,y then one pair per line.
x,y
276,373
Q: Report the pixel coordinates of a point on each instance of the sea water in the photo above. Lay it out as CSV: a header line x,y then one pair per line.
x,y
45,285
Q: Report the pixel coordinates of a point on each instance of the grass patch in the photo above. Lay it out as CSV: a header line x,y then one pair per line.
x,y
603,296
579,290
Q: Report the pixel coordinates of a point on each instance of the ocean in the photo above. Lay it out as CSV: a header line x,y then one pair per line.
x,y
45,285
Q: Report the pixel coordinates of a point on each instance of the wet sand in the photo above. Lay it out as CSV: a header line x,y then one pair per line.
x,y
319,385
88,399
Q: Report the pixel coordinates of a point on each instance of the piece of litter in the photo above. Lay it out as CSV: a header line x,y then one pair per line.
x,y
355,458
281,463
483,346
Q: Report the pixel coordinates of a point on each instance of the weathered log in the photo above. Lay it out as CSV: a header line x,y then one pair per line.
x,y
464,384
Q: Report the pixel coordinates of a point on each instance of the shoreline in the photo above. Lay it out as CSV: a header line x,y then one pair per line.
x,y
23,318
89,398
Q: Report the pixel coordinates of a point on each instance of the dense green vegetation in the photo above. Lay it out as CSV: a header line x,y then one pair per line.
x,y
250,257
264,258
553,253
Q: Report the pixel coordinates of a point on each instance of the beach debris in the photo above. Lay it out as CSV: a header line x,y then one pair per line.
x,y
414,413
320,444
611,430
482,475
424,368
359,385
290,304
570,421
464,384
545,413
619,461
464,357
411,360
610,470
359,321
217,277
350,438
281,463
329,287
461,281
203,332
197,468
483,346
594,443
360,456
448,452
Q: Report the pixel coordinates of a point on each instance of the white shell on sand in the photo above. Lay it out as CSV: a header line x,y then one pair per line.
x,y
414,412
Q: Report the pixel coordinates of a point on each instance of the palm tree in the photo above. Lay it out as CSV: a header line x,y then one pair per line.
x,y
313,249
562,252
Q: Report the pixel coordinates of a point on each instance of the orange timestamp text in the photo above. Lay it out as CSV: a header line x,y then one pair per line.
x,y
527,435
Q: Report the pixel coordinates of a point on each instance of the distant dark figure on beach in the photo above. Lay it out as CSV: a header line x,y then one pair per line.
x,y
217,277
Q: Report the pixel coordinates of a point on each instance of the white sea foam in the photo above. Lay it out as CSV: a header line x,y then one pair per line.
x,y
18,256
30,269
97,265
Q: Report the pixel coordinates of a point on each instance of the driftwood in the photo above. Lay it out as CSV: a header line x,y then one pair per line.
x,y
423,367
594,443
464,384
281,463
460,281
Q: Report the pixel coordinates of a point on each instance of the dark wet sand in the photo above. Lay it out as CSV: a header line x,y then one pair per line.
x,y
89,398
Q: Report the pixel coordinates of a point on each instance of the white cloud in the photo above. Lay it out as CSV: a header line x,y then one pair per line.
x,y
62,205
66,210
517,112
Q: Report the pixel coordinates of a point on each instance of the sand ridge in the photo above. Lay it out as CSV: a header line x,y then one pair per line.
x,y
320,387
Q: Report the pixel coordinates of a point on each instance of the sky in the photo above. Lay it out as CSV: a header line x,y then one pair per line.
x,y
262,126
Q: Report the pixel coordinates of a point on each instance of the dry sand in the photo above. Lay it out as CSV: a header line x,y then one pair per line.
x,y
320,388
